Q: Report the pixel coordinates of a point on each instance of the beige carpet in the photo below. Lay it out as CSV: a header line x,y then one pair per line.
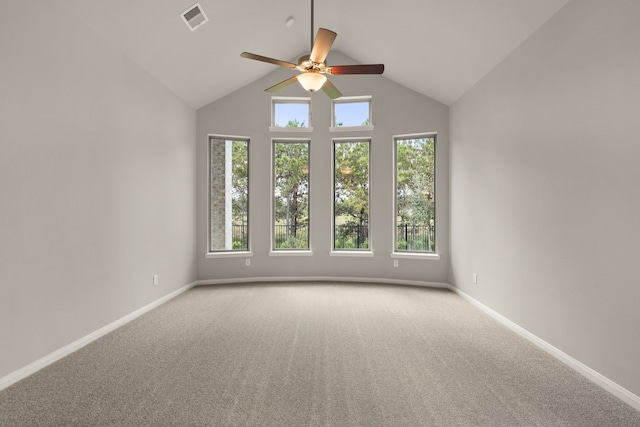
x,y
311,354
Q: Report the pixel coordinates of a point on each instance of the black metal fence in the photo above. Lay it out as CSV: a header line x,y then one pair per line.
x,y
351,236
416,237
295,236
410,237
240,236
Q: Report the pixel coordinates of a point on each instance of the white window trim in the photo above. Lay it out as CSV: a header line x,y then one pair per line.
x,y
416,135
286,129
346,100
348,252
291,100
350,128
434,256
288,251
291,252
352,253
228,254
225,253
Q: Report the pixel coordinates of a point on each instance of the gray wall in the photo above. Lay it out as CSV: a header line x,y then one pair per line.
x,y
97,184
544,185
396,110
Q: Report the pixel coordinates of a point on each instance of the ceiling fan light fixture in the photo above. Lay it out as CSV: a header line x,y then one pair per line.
x,y
313,67
312,81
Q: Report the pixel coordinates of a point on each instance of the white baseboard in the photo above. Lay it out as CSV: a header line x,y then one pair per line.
x,y
324,279
612,387
604,382
76,345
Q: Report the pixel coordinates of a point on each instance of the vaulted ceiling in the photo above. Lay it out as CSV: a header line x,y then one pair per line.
x,y
439,48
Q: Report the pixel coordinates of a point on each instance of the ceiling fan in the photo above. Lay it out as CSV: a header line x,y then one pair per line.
x,y
313,67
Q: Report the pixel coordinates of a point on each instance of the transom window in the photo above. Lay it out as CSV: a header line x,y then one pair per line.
x,y
350,113
290,113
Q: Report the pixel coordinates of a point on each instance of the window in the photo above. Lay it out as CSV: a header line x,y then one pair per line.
x,y
290,114
229,194
290,195
351,195
351,113
415,193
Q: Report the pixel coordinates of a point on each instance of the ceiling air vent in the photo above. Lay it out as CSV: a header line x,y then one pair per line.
x,y
194,17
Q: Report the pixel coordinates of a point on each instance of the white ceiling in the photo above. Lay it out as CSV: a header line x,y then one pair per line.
x,y
439,48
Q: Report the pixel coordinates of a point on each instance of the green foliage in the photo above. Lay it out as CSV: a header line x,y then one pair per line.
x,y
298,241
351,236
365,123
291,195
352,187
240,180
416,237
415,188
351,243
415,192
352,180
295,123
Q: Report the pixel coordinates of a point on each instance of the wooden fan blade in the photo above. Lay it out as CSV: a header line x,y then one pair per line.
x,y
282,84
331,90
267,59
322,45
356,69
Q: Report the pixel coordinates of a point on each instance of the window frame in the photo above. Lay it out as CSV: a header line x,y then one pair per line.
x,y
368,252
289,100
228,253
290,251
347,100
395,253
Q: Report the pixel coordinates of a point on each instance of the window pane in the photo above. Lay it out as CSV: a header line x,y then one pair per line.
x,y
351,113
229,208
291,195
351,195
291,114
415,195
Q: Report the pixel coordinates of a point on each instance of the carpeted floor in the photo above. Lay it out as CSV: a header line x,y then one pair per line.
x,y
311,354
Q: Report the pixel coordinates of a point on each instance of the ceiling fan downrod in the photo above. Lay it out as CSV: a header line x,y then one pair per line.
x,y
313,67
311,48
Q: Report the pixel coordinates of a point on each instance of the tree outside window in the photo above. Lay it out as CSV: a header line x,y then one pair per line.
x,y
291,194
229,194
351,195
415,194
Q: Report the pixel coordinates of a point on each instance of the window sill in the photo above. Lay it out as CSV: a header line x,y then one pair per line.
x,y
352,253
350,128
289,129
229,254
301,252
416,255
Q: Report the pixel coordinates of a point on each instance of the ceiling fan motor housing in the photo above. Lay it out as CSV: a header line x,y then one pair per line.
x,y
313,68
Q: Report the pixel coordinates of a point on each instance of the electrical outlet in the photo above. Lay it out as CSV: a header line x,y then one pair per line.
x,y
395,262
475,279
155,280
247,262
